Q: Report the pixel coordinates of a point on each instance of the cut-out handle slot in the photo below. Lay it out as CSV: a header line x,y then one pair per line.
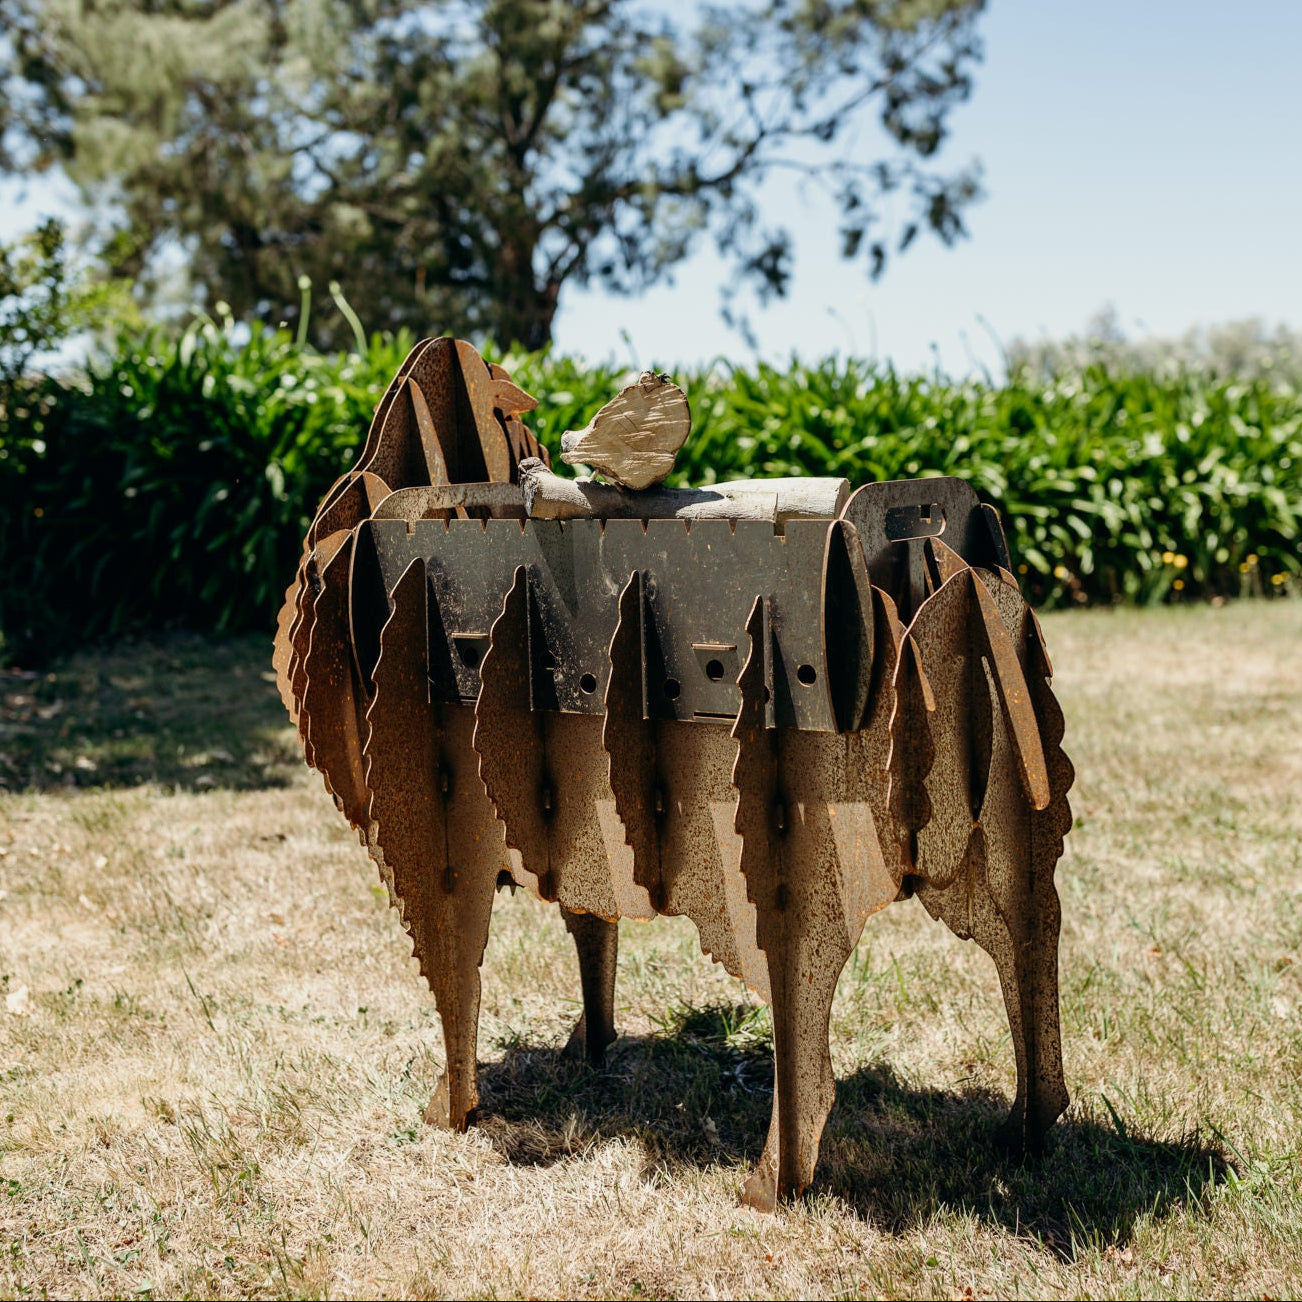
x,y
471,647
917,520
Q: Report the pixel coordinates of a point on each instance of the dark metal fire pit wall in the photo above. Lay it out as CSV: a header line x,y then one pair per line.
x,y
775,730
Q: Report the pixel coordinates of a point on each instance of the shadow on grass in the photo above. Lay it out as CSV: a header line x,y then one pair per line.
x,y
181,711
700,1096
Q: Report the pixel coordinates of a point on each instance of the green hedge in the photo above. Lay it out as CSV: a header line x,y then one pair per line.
x,y
173,485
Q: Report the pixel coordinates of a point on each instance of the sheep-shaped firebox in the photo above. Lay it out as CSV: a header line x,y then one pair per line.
x,y
773,711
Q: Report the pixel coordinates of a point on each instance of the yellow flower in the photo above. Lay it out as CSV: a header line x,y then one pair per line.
x,y
1181,561
1178,584
1061,572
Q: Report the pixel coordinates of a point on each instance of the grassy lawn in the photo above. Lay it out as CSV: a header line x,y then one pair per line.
x,y
217,1051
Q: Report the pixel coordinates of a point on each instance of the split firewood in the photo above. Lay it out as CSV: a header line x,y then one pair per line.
x,y
634,438
547,496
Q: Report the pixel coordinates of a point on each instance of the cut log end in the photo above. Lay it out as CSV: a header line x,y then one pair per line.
x,y
635,437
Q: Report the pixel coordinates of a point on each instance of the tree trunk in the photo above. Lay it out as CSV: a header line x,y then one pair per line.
x,y
523,310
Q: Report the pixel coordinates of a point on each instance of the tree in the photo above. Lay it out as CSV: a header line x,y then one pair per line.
x,y
45,300
459,162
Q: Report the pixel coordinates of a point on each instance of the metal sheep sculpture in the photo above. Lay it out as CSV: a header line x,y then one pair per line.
x,y
773,707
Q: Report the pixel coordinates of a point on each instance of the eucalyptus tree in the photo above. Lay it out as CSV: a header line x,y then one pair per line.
x,y
459,162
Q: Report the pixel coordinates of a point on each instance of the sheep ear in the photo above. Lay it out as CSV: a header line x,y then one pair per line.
x,y
510,399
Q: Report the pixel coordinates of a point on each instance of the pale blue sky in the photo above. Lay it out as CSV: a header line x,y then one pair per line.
x,y
1145,154
1142,153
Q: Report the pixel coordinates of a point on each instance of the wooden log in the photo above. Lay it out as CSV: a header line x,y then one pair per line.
x,y
634,438
453,501
549,497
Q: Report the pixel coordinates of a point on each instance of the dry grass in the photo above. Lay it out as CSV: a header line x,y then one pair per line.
x,y
216,1087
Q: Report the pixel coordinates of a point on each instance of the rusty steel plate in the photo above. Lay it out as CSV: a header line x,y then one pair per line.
x,y
700,580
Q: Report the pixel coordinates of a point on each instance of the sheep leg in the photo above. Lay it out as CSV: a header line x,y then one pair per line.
x,y
1026,959
804,1088
1028,975
463,896
597,943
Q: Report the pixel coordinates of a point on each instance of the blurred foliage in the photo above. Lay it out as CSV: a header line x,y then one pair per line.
x,y
462,161
1243,350
45,300
174,485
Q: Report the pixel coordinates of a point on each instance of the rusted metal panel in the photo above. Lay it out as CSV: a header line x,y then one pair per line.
x,y
629,737
701,874
547,775
510,739
999,889
772,731
435,836
333,703
847,627
815,872
698,579
895,520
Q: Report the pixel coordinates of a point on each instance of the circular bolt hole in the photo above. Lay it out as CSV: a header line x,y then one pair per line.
x,y
470,656
714,670
672,688
807,675
588,684
548,660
